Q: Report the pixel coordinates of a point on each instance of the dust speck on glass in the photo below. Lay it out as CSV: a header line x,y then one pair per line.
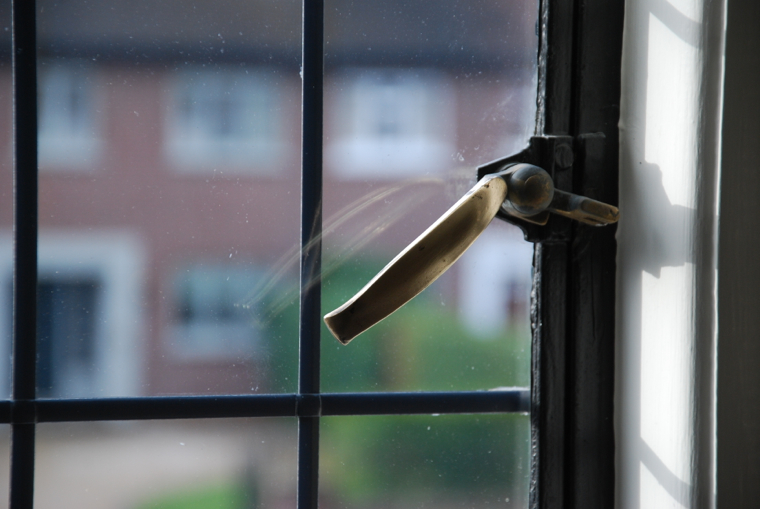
x,y
169,153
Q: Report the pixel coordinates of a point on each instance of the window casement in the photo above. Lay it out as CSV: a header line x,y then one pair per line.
x,y
570,399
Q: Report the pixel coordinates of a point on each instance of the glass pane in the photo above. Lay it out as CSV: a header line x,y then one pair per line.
x,y
425,461
416,99
169,197
6,196
225,464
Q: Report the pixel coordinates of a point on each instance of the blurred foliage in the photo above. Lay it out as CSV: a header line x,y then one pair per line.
x,y
423,346
368,460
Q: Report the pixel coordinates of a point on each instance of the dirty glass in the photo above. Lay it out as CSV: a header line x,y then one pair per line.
x,y
415,99
425,461
220,463
169,157
6,195
169,196
168,247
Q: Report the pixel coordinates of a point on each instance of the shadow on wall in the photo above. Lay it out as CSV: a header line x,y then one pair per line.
x,y
666,261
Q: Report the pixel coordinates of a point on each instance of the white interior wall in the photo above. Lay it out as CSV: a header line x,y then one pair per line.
x,y
666,318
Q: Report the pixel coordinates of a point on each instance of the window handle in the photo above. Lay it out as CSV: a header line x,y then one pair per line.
x,y
521,190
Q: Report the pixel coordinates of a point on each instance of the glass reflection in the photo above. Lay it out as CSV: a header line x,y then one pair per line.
x,y
430,461
415,99
226,464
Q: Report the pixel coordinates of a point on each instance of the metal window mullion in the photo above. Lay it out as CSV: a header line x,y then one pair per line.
x,y
269,405
311,245
25,252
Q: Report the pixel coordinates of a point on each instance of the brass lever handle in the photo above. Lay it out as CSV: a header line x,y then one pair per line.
x,y
522,190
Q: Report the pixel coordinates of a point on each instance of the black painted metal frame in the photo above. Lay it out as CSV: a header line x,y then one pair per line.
x,y
23,411
573,449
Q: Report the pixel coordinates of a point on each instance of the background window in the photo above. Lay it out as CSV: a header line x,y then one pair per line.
x,y
211,315
69,119
391,123
222,116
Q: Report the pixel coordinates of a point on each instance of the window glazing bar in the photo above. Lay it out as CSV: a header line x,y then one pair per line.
x,y
270,405
312,68
25,249
25,200
425,403
311,197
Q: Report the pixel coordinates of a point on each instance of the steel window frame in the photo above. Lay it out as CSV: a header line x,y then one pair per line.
x,y
572,460
573,357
